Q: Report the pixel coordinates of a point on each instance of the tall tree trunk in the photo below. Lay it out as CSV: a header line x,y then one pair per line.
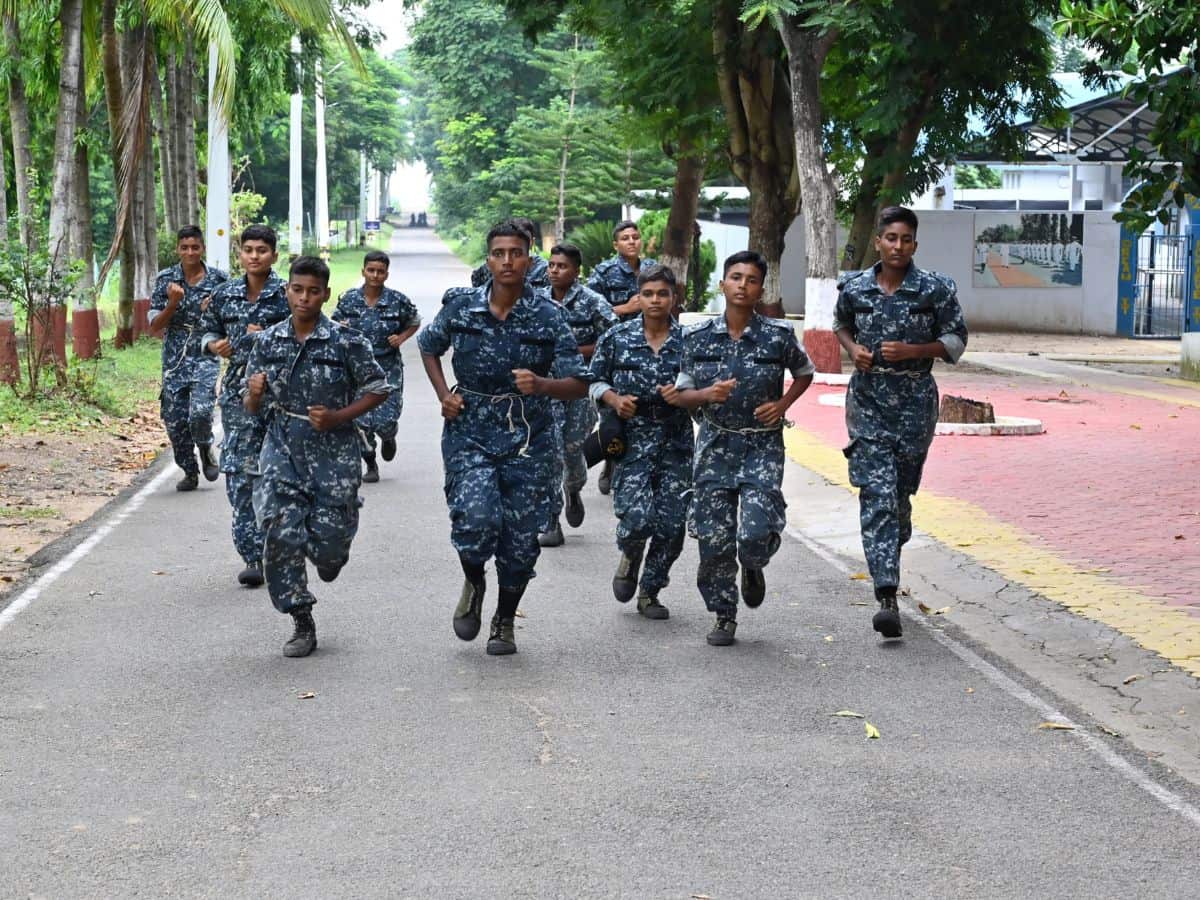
x,y
18,113
149,221
3,191
192,109
81,223
560,223
685,201
114,97
61,195
758,113
807,49
161,121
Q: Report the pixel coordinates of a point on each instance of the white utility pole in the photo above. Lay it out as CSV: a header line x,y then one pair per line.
x,y
322,198
219,175
364,189
295,178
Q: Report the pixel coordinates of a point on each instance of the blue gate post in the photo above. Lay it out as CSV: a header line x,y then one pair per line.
x,y
1126,286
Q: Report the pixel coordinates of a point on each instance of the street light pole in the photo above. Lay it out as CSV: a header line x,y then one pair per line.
x,y
295,176
322,198
219,174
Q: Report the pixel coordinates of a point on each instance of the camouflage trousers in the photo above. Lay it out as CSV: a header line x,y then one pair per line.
x,y
298,529
650,500
497,509
186,409
247,537
734,524
886,479
383,421
575,420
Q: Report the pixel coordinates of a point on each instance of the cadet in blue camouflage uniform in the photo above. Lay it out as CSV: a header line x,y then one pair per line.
x,y
616,280
387,318
893,320
312,378
732,373
498,442
634,363
189,379
239,310
536,276
589,316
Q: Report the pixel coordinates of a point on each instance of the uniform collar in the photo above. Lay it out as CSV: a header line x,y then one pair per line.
x,y
625,267
570,296
481,301
910,285
322,332
273,284
754,328
637,327
384,297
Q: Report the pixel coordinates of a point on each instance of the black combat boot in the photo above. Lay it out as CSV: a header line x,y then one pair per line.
x,y
887,620
625,581
372,474
649,606
304,638
189,482
502,641
723,631
207,464
387,449
552,536
574,509
468,615
252,575
754,587
331,572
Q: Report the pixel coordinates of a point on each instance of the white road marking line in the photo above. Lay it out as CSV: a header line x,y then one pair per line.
x,y
1166,797
64,565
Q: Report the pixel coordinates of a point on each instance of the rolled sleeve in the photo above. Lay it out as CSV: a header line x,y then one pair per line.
x,y
434,338
685,382
795,359
955,346
367,373
597,390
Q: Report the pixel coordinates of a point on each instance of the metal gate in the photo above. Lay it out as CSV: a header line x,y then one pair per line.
x,y
1160,288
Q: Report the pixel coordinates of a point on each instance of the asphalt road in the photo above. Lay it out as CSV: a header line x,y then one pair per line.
x,y
154,742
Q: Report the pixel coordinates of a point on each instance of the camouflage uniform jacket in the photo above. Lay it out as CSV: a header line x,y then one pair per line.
x,y
624,362
392,313
897,402
228,315
614,280
332,367
587,313
733,447
182,350
496,420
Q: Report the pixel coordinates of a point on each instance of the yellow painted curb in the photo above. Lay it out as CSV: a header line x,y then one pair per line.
x,y
1012,553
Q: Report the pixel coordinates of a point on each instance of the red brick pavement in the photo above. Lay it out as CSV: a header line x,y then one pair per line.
x,y
1111,485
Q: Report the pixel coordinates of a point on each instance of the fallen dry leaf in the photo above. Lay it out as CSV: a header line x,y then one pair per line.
x,y
871,730
157,572
923,608
848,714
829,637
520,614
860,576
1132,678
1056,726
1136,427
970,690
307,695
1110,732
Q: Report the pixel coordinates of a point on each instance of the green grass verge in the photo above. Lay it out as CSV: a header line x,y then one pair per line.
x,y
114,385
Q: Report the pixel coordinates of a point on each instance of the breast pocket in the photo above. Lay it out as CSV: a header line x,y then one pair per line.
x,y
707,368
536,354
466,340
920,325
627,377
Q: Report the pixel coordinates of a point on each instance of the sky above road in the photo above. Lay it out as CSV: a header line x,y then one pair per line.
x,y
389,17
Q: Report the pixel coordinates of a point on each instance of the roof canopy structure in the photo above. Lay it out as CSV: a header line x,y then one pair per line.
x,y
1103,127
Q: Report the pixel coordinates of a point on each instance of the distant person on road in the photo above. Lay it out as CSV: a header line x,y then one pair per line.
x,y
536,277
387,318
635,362
498,442
893,320
239,310
615,279
589,316
311,378
189,378
732,374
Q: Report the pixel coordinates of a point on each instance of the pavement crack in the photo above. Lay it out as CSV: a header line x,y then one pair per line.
x,y
541,723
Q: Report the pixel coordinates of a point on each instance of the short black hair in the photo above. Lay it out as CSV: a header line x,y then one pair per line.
x,y
746,256
570,251
655,273
189,231
309,265
528,225
890,214
621,226
264,233
509,228
377,256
